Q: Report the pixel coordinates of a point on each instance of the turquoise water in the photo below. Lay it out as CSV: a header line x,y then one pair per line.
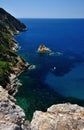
x,y
58,77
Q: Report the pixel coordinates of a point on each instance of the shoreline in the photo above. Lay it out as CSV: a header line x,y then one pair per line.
x,y
15,117
14,83
13,78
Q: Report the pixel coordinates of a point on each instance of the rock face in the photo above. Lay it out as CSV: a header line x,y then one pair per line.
x,y
59,117
43,49
10,23
10,62
11,115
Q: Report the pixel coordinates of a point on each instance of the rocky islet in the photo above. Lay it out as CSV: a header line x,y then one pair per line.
x,y
43,49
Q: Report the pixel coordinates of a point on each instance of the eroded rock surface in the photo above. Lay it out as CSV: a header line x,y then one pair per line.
x,y
11,116
59,117
43,49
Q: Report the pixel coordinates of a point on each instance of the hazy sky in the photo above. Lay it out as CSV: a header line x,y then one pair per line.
x,y
44,8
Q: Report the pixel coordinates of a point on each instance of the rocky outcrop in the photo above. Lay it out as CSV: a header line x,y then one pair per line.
x,y
10,23
12,116
10,62
59,117
43,49
14,83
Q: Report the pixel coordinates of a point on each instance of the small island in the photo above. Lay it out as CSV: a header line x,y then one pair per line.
x,y
43,49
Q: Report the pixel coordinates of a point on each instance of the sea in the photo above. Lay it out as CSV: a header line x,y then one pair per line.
x,y
58,77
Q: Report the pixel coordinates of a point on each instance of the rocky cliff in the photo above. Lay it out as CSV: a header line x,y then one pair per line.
x,y
10,23
59,117
11,115
10,62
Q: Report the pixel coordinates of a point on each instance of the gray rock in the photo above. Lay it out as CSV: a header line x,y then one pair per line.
x,y
9,126
11,115
59,117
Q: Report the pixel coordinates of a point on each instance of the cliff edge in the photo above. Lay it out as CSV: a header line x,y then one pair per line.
x,y
11,115
10,62
59,117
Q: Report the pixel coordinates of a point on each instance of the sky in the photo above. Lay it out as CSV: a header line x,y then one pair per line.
x,y
44,8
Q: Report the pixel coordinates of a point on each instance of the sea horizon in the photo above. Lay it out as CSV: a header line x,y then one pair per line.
x,y
46,18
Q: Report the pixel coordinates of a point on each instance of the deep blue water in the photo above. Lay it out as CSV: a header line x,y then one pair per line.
x,y
45,85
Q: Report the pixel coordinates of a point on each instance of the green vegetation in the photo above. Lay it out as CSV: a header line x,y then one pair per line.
x,y
5,70
11,23
5,58
5,67
8,58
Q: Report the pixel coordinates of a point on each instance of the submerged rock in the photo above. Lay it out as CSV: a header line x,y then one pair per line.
x,y
59,117
43,49
58,53
31,67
